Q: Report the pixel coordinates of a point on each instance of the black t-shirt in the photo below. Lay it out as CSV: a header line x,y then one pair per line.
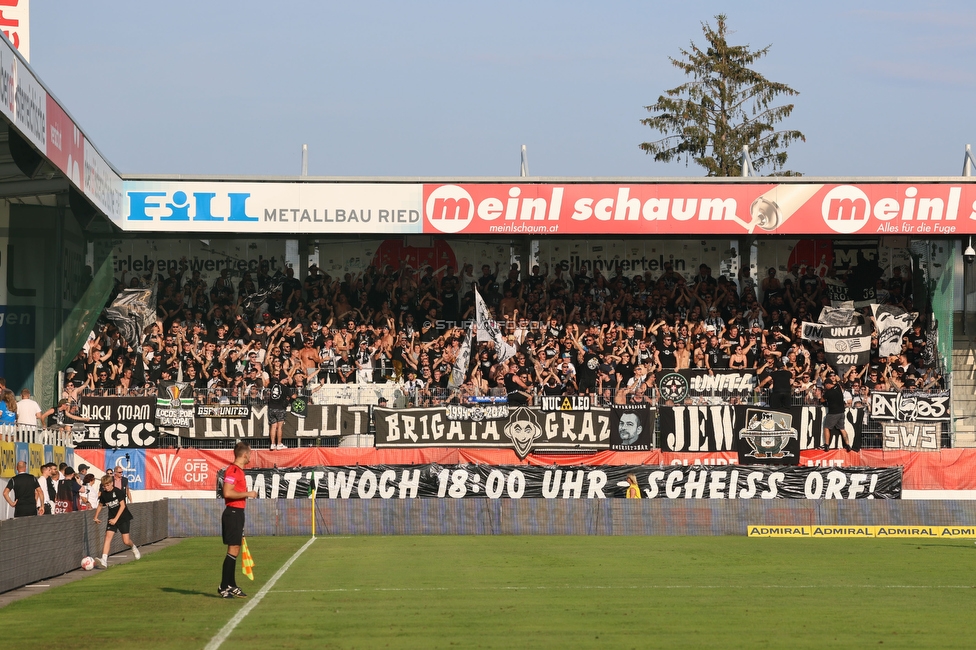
x,y
112,499
834,398
667,356
278,395
782,380
24,487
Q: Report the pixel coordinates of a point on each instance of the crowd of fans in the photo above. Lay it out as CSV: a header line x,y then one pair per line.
x,y
575,333
60,489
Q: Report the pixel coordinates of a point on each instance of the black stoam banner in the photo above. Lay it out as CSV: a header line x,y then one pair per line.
x,y
847,345
120,421
911,436
768,438
910,407
526,428
573,482
319,421
631,427
716,428
694,382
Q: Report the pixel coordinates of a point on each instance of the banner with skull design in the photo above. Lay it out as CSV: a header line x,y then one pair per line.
x,y
525,429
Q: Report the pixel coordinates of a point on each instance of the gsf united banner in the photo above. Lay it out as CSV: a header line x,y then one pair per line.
x,y
605,482
120,421
524,429
717,428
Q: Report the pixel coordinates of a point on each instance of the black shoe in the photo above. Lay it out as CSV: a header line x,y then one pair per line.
x,y
847,447
235,592
224,592
825,447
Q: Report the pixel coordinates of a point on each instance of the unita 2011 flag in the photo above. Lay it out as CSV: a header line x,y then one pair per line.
x,y
247,562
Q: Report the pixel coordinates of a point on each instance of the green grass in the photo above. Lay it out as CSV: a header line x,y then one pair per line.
x,y
538,592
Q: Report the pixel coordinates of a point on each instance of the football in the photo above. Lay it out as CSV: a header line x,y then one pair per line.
x,y
87,563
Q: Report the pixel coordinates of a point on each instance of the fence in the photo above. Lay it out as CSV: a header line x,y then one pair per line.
x,y
35,435
35,548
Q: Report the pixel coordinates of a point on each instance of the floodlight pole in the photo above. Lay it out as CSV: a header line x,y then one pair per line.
x,y
304,160
524,171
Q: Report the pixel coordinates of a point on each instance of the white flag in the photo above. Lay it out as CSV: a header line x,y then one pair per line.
x,y
488,330
892,324
460,369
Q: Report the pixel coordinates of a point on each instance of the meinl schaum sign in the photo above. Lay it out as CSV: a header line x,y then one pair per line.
x,y
573,482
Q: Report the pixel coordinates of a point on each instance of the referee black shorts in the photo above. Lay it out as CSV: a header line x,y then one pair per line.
x,y
232,526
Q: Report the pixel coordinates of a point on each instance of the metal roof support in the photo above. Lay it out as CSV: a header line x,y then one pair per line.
x,y
747,168
967,162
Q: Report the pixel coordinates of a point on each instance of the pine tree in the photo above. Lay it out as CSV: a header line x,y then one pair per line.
x,y
725,105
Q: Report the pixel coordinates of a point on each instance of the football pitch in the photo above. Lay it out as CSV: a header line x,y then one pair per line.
x,y
433,592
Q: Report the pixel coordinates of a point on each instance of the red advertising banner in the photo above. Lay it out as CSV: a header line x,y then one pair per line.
x,y
65,144
794,208
196,469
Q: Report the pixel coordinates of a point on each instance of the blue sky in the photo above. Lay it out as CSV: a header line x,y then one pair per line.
x,y
455,88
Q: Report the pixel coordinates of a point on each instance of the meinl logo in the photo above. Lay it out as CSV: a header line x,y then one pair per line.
x,y
449,208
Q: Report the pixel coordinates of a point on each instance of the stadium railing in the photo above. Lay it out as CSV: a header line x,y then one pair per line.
x,y
35,435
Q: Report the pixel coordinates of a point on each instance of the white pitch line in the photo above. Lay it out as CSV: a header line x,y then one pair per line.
x,y
517,588
225,631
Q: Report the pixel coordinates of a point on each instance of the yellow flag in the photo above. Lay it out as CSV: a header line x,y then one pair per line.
x,y
247,562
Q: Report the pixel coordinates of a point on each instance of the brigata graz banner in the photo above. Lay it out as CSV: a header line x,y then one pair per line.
x,y
605,482
252,422
523,429
717,428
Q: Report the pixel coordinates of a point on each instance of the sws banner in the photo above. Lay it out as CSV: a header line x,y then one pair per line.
x,y
434,481
333,420
120,421
911,436
717,428
676,386
910,407
524,429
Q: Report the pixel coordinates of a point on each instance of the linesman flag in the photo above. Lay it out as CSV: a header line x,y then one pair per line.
x,y
247,562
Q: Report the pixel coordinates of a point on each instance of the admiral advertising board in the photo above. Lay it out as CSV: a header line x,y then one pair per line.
x,y
729,209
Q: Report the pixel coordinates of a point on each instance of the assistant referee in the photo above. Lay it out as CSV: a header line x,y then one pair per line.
x,y
232,521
